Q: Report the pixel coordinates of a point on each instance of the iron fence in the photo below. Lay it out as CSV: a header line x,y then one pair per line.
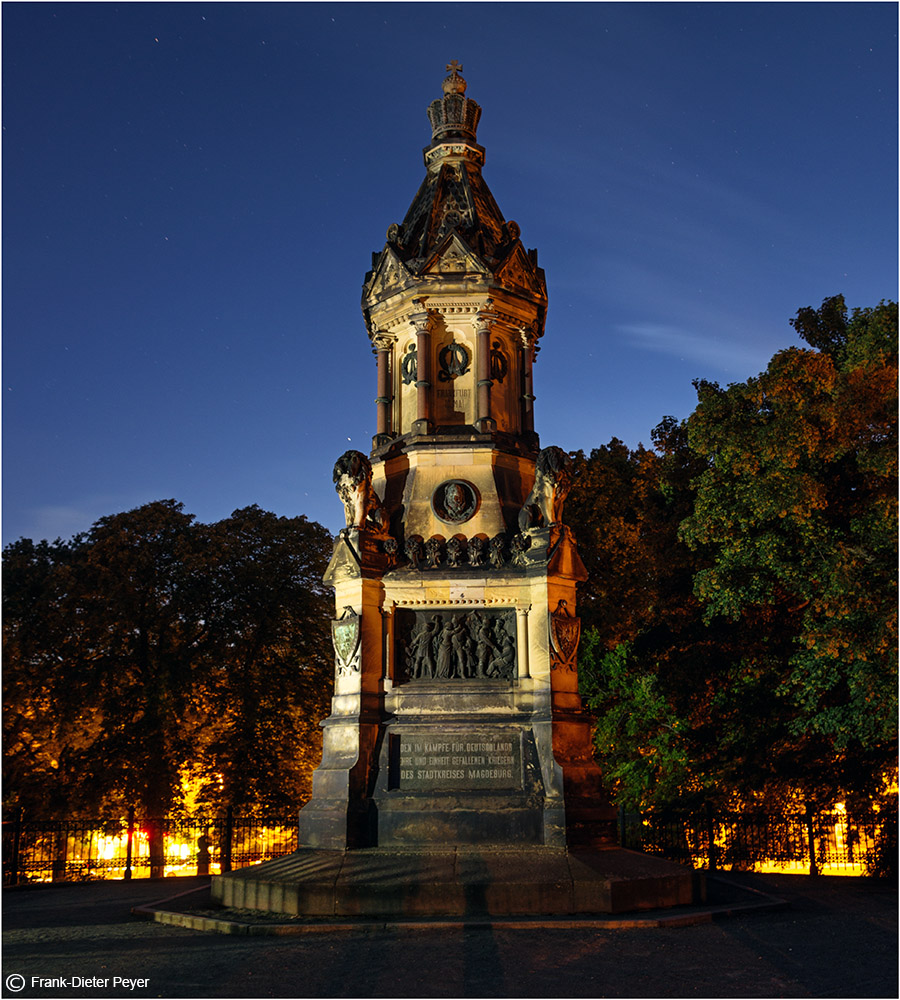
x,y
133,847
832,841
141,847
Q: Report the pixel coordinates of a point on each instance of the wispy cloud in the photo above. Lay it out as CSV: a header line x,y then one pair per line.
x,y
725,354
52,521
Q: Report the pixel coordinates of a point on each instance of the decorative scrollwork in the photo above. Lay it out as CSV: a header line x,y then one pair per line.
x,y
391,549
454,552
520,545
454,361
412,549
499,364
433,551
409,365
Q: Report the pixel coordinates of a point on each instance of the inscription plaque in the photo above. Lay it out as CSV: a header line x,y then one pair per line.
x,y
441,761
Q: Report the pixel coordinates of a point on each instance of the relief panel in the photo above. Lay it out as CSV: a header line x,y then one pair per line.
x,y
451,645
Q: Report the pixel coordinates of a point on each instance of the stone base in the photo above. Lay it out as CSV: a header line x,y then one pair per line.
x,y
380,882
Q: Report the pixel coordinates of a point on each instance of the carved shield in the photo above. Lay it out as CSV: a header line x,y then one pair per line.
x,y
345,635
565,631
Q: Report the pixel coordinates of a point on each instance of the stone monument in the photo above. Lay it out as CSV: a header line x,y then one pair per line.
x,y
456,716
456,720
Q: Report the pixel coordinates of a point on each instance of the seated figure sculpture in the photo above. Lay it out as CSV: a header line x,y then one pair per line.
x,y
353,482
553,477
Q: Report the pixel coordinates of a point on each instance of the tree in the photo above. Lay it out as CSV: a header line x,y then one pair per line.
x,y
267,684
798,513
36,729
764,665
155,649
111,656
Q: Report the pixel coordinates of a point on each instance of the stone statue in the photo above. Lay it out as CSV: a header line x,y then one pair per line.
x,y
496,551
353,482
553,476
476,551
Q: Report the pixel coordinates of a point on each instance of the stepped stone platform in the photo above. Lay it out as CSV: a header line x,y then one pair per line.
x,y
459,881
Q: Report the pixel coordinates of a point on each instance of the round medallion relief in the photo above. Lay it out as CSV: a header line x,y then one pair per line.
x,y
454,501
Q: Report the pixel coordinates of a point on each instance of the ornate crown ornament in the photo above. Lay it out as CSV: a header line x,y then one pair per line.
x,y
453,116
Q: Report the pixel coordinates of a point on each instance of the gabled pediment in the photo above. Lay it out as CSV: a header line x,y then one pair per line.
x,y
517,271
454,256
390,276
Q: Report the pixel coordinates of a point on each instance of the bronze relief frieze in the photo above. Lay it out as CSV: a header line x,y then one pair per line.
x,y
447,645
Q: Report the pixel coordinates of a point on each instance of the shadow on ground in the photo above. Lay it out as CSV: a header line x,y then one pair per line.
x,y
837,938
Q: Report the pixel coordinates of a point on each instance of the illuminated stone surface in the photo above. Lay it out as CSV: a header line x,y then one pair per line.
x,y
456,720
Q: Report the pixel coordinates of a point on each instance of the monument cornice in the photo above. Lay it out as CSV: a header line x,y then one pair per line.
x,y
393,318
453,602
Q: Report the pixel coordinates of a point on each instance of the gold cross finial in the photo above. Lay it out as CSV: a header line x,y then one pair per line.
x,y
454,67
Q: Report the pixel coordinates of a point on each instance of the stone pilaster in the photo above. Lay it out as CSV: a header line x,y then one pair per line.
x,y
528,351
484,322
383,346
424,375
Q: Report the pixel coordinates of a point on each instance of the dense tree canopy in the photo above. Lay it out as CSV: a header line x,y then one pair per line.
x,y
155,657
756,655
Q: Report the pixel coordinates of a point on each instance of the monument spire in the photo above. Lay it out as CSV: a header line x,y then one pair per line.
x,y
454,245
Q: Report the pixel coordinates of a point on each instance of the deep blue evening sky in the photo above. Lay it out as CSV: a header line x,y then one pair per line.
x,y
192,193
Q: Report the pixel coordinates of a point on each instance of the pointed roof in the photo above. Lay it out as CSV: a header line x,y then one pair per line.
x,y
454,201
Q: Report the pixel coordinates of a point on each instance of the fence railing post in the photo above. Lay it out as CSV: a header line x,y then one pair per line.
x,y
60,852
13,869
229,832
129,846
811,837
711,839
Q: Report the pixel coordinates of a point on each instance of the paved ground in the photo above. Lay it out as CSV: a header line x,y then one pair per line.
x,y
838,938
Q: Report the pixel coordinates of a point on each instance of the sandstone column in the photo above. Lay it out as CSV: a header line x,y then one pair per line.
x,y
485,320
383,427
420,322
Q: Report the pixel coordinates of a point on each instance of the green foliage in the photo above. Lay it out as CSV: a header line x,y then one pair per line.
x,y
638,735
798,508
154,649
624,509
759,660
